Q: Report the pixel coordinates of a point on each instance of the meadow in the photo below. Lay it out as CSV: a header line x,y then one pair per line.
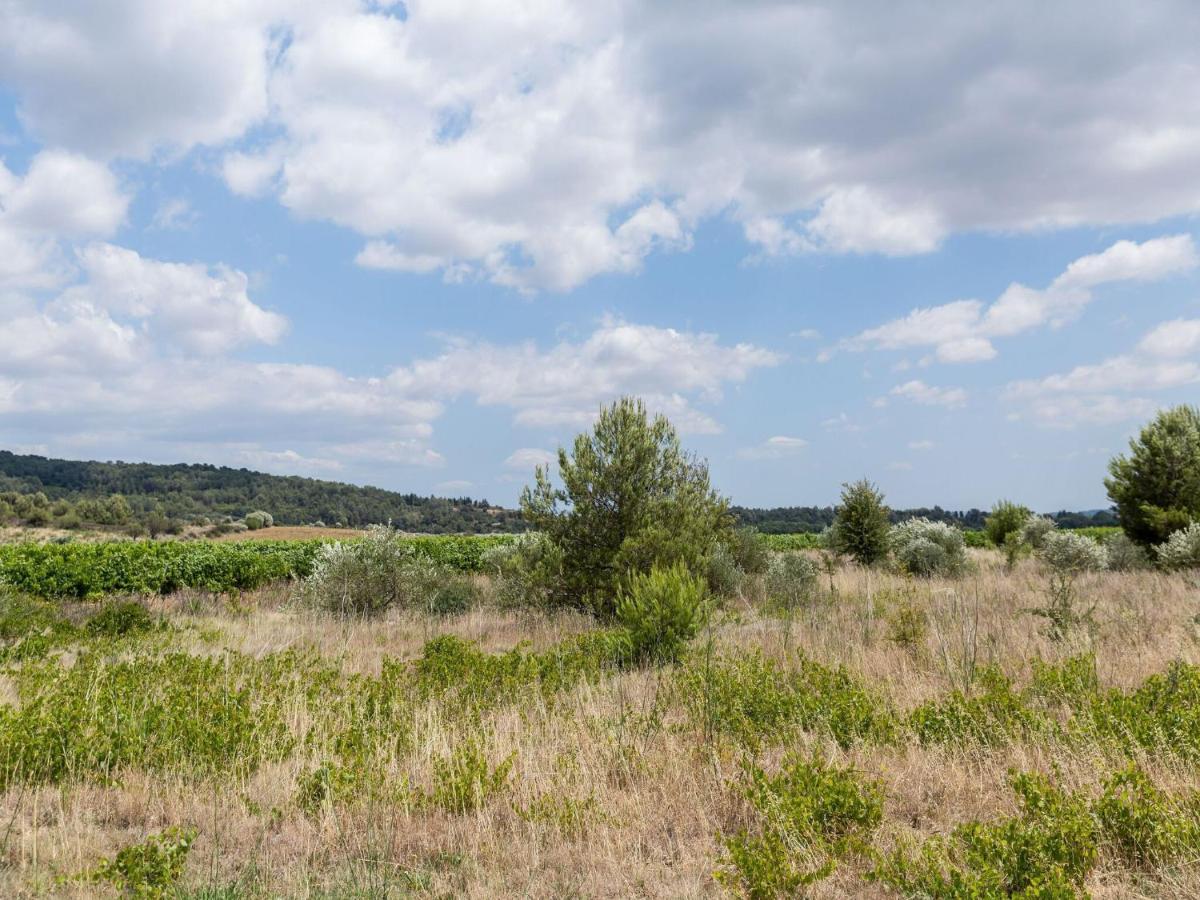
x,y
872,734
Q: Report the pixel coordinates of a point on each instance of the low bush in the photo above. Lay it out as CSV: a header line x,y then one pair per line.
x,y
1046,851
1181,550
791,581
751,552
1034,531
807,817
928,549
151,869
119,618
754,701
1123,554
662,611
258,519
464,781
993,714
1005,518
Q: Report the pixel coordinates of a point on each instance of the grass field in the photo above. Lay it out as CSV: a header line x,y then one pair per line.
x,y
319,757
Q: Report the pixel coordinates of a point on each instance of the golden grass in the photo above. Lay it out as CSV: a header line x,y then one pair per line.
x,y
654,797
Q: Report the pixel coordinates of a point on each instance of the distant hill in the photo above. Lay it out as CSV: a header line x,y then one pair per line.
x,y
190,492
793,519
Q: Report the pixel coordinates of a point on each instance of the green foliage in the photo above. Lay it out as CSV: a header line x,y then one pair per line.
x,y
661,611
976,539
1181,550
860,528
751,550
784,543
1005,518
90,570
1126,556
808,816
1156,489
1143,825
1044,852
258,519
992,715
170,713
117,494
464,781
791,580
630,500
151,869
1035,531
908,626
753,700
118,618
926,548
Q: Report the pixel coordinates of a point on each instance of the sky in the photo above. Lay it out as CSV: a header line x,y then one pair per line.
x,y
949,247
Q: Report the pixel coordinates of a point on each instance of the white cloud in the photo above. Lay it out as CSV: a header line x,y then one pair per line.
x,y
1179,337
206,310
454,486
929,395
60,195
173,214
530,458
1102,393
288,462
921,445
777,447
962,331
900,466
541,143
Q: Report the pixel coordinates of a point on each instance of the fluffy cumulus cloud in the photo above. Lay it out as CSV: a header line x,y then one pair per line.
x,y
1119,388
963,330
538,143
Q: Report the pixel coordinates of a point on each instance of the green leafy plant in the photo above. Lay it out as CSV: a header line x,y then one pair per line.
x,y
926,548
808,816
1005,518
1181,550
662,611
631,500
119,618
860,526
151,869
1156,488
464,781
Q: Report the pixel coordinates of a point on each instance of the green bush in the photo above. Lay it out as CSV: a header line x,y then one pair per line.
x,y
754,701
1005,518
662,611
860,525
724,577
631,500
1156,489
926,548
791,580
118,618
1126,556
750,550
1035,531
808,817
1045,852
151,869
258,519
993,714
464,781
1181,550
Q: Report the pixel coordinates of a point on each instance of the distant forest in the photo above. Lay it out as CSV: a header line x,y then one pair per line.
x,y
793,519
161,495
195,492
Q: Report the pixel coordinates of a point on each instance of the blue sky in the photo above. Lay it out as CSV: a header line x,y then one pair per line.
x,y
418,245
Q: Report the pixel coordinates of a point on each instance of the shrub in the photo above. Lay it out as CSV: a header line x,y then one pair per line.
x,y
791,580
724,576
1044,852
752,699
1067,553
662,611
631,500
807,817
150,869
1181,550
1156,489
908,626
259,519
1005,518
527,570
750,550
860,525
464,781
118,618
1126,556
1144,825
926,548
1035,530
992,715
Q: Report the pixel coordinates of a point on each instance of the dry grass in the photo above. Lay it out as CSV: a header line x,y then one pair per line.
x,y
653,796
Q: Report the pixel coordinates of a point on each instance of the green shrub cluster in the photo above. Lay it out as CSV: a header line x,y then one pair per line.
x,y
807,817
661,611
151,869
1048,849
753,700
925,549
